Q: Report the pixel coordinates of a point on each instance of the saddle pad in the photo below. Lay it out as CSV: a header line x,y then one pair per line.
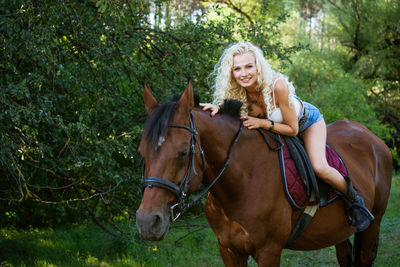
x,y
293,185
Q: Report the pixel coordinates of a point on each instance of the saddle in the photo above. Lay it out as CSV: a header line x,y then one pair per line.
x,y
303,189
300,184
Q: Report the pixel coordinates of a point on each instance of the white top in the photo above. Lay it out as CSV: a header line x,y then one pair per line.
x,y
276,115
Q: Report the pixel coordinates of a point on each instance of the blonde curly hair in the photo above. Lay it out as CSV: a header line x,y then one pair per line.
x,y
225,86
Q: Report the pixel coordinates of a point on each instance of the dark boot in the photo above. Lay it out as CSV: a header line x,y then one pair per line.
x,y
362,216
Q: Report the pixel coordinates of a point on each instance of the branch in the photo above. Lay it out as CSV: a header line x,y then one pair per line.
x,y
18,180
237,9
158,31
191,232
125,67
24,184
96,220
334,5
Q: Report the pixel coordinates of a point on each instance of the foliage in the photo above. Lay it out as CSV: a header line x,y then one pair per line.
x,y
355,44
369,32
71,104
69,123
71,110
321,80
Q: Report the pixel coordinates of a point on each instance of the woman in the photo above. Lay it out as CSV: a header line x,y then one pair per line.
x,y
269,102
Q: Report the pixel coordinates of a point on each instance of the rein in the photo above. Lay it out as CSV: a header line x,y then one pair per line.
x,y
182,189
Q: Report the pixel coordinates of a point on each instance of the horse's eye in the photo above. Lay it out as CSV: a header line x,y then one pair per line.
x,y
183,153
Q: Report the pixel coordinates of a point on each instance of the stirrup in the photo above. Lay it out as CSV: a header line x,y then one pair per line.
x,y
362,216
362,224
365,210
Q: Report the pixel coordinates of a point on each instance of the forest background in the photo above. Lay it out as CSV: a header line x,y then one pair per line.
x,y
71,75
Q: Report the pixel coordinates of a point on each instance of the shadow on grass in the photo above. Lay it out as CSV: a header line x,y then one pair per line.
x,y
61,247
90,246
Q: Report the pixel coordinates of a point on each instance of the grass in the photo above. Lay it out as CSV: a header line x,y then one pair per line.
x,y
189,243
90,246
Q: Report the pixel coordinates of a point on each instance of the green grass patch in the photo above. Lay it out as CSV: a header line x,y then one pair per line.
x,y
190,242
89,246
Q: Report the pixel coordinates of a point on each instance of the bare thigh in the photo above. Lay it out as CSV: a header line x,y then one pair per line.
x,y
315,143
314,139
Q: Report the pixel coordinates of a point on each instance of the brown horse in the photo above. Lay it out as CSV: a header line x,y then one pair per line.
x,y
247,208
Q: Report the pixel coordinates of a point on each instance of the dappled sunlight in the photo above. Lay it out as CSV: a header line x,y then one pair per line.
x,y
72,113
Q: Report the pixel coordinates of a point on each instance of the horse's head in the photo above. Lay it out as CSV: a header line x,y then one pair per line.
x,y
173,162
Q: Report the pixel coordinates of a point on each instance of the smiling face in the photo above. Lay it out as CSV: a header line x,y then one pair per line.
x,y
244,71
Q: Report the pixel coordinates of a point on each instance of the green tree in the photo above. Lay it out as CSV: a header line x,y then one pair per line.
x,y
353,46
71,108
368,30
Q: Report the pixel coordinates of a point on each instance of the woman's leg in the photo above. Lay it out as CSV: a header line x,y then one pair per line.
x,y
314,138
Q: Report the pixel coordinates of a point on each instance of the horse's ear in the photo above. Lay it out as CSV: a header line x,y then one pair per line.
x,y
149,101
187,98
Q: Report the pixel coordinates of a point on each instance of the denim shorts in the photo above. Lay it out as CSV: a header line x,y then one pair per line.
x,y
309,115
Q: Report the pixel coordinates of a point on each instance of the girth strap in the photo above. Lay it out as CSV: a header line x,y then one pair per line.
x,y
307,174
301,225
273,136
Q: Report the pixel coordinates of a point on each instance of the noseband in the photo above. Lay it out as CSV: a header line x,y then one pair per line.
x,y
182,189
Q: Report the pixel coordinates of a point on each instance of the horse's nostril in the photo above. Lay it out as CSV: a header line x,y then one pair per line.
x,y
157,220
149,221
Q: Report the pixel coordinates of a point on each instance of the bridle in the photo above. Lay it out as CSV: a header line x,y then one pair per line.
x,y
182,189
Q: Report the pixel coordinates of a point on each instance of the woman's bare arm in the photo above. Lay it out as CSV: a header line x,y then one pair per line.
x,y
289,126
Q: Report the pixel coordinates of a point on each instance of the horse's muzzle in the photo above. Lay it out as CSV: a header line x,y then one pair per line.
x,y
152,225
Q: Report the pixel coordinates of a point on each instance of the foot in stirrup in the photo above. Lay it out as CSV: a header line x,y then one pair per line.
x,y
362,216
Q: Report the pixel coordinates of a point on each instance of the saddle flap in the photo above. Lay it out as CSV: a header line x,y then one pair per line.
x,y
303,165
296,190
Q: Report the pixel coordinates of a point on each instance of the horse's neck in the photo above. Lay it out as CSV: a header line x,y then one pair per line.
x,y
217,135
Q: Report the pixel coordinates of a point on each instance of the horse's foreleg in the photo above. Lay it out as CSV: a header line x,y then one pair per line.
x,y
269,255
232,258
344,253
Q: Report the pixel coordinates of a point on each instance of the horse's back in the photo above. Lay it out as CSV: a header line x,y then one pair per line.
x,y
354,141
367,158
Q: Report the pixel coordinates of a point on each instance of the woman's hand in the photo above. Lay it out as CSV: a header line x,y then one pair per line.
x,y
213,108
254,123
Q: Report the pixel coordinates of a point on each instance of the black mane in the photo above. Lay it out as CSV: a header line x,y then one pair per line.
x,y
231,108
156,125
